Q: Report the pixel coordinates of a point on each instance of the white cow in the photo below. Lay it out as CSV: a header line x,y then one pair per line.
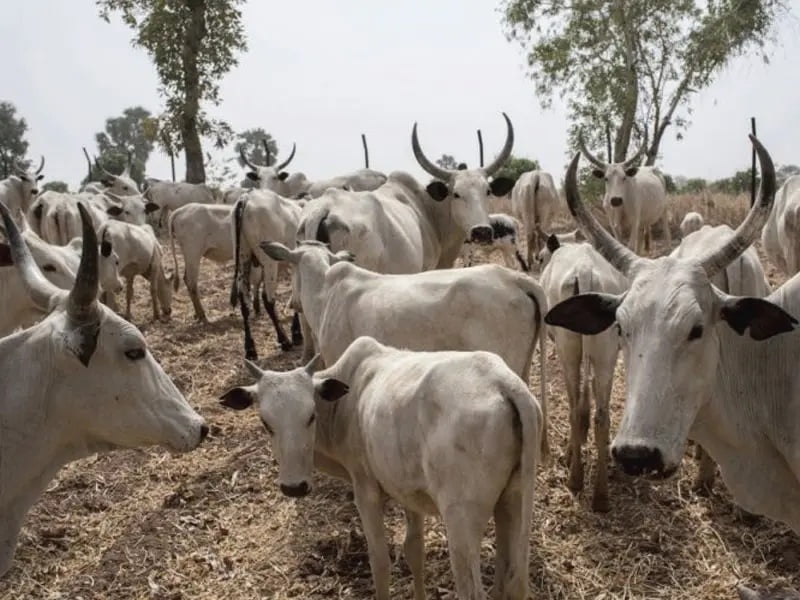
x,y
274,178
781,234
122,184
574,269
692,221
691,371
570,237
442,433
634,196
79,382
18,191
534,201
127,251
362,180
170,195
262,215
487,307
504,238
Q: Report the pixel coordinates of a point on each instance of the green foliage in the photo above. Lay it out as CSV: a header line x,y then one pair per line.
x,y
516,166
12,138
632,65
694,185
783,172
55,186
739,183
447,161
132,131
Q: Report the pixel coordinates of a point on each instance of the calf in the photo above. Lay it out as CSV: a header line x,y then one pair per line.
x,y
387,421
692,221
79,382
534,201
504,238
128,250
574,269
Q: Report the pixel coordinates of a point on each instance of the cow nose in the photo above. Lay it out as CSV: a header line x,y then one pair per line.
x,y
203,431
34,192
482,234
616,201
638,460
296,491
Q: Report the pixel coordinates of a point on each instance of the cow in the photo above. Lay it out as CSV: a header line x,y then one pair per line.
x,y
387,421
262,215
691,372
570,237
534,201
18,191
692,221
90,187
577,268
634,196
79,382
448,309
122,184
169,196
504,238
274,178
127,251
402,227
203,231
781,234
361,180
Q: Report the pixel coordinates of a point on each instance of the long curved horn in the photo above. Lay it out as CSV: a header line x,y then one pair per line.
x,y
266,151
617,254
83,296
245,160
88,164
432,169
39,289
103,169
589,156
285,163
41,165
127,170
748,230
498,162
635,158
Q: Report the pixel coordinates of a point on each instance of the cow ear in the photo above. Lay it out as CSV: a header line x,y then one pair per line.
x,y
437,190
552,243
283,175
631,171
252,176
39,177
150,207
599,173
587,314
501,186
105,248
237,398
114,210
764,318
331,389
462,166
5,255
279,252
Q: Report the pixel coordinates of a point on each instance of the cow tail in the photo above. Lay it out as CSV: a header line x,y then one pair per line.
x,y
238,213
176,281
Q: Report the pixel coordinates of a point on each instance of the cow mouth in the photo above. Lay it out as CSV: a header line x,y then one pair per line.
x,y
652,474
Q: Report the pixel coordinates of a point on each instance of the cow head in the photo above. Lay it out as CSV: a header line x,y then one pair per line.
x,y
58,265
110,279
619,177
554,242
29,180
466,190
287,405
268,177
122,184
131,209
104,388
668,323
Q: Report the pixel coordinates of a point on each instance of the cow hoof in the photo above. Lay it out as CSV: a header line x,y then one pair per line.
x,y
600,503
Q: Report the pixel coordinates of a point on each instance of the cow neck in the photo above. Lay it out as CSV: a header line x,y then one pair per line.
x,y
312,272
449,236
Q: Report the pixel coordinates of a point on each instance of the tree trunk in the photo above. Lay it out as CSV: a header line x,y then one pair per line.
x,y
193,149
631,83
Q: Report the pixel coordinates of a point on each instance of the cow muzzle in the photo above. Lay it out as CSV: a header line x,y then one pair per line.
x,y
482,234
616,201
640,460
296,491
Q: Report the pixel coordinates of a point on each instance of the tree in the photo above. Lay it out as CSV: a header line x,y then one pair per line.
x,y
55,186
132,132
516,166
783,172
633,65
252,144
739,183
13,146
447,161
193,43
695,185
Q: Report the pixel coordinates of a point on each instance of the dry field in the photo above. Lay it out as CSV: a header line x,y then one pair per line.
x,y
211,524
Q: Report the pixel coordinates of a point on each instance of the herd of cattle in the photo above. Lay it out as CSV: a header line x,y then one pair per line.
x,y
406,357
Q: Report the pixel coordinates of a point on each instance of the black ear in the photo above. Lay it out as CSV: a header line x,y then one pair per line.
x,y
252,176
552,243
48,268
599,173
437,190
764,318
501,186
39,177
462,166
150,207
587,314
114,211
331,389
5,255
82,341
631,171
237,398
37,212
105,248
283,175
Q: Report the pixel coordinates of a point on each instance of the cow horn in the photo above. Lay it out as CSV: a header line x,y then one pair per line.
x,y
83,296
505,153
589,156
39,289
432,169
314,364
617,254
635,158
88,164
127,170
41,165
266,151
748,230
245,160
285,163
100,166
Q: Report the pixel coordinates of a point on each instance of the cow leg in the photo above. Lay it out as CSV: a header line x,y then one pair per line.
x,y
285,342
706,473
297,332
128,297
602,383
511,554
367,495
508,255
191,274
243,292
667,230
568,347
414,549
309,348
464,531
154,298
529,246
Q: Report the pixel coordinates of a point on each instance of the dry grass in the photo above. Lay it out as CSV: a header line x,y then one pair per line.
x,y
211,524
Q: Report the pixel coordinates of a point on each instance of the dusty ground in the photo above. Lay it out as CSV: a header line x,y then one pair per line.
x,y
212,524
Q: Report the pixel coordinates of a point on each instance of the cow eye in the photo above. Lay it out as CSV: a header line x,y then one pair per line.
x,y
696,332
311,420
456,195
267,427
135,354
49,268
488,192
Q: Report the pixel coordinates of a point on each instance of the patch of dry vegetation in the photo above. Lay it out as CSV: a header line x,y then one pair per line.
x,y
211,524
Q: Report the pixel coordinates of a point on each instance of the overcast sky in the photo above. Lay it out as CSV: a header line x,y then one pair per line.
x,y
320,73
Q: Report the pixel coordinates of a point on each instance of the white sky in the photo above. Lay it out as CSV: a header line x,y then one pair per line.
x,y
320,73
